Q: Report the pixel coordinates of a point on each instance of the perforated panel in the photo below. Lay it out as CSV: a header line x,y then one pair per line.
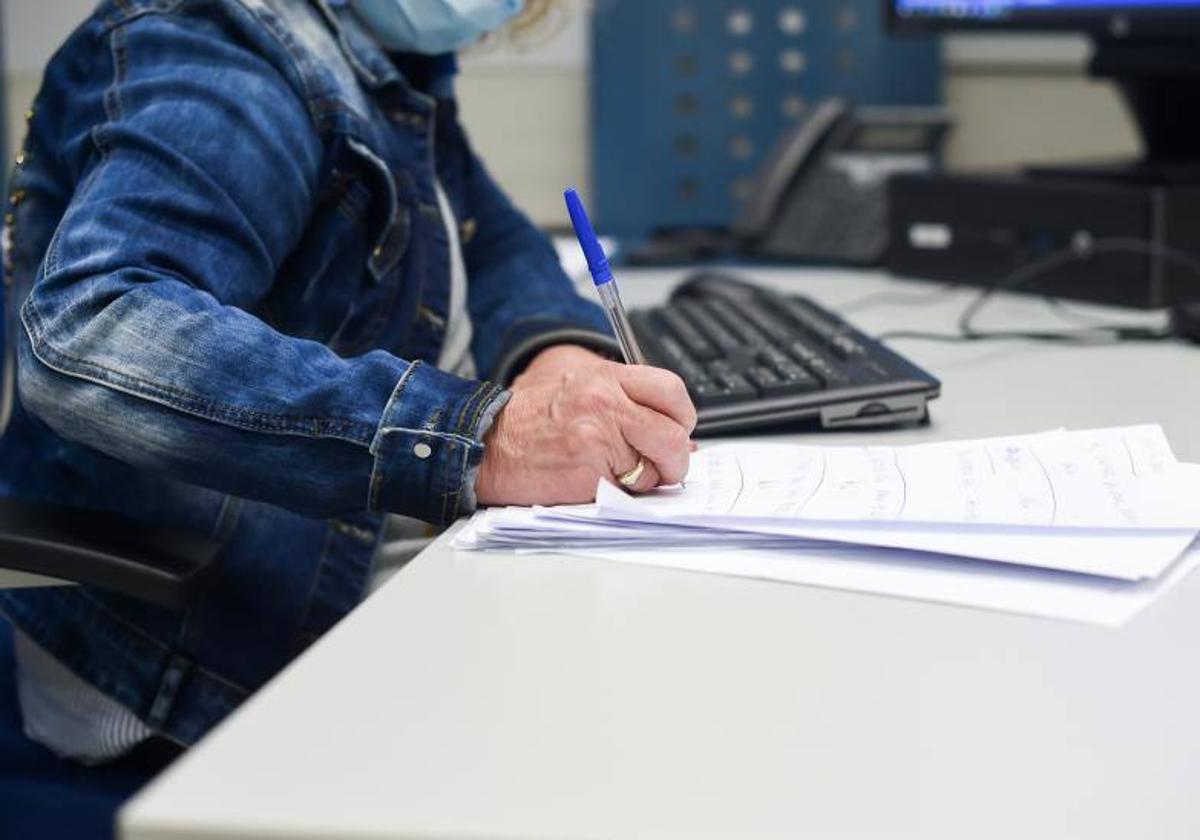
x,y
688,96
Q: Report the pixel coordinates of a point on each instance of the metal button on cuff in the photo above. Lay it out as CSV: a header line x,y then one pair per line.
x,y
422,450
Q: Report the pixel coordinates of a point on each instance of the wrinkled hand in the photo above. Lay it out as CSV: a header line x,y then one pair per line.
x,y
575,417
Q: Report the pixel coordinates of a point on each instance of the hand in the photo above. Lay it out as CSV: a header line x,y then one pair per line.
x,y
574,418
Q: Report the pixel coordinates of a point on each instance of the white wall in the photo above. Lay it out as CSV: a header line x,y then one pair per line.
x,y
1014,99
32,30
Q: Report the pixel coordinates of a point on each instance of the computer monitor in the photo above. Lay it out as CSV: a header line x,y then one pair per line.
x,y
1151,49
1120,19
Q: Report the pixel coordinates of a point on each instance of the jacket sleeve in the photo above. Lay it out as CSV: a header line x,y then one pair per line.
x,y
138,338
521,301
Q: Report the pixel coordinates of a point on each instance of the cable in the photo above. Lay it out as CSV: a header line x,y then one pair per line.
x,y
1082,248
1063,310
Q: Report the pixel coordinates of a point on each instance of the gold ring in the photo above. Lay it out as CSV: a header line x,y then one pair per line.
x,y
630,477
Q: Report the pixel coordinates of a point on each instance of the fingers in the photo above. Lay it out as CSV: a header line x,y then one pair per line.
x,y
609,456
658,389
649,478
661,440
653,416
560,432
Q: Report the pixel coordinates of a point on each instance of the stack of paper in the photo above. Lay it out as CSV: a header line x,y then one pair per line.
x,y
1087,525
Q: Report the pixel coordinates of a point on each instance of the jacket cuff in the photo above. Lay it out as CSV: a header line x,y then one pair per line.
x,y
428,446
537,335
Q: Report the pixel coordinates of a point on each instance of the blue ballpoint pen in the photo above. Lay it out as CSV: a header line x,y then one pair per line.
x,y
602,276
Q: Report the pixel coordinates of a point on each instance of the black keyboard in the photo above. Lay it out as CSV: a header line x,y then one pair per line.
x,y
752,357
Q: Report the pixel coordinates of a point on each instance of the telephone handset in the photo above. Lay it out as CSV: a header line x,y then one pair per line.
x,y
821,194
777,172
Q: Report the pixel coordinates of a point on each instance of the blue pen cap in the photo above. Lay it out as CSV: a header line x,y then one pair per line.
x,y
592,251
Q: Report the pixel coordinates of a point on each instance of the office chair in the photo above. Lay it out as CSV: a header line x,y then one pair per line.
x,y
42,795
159,565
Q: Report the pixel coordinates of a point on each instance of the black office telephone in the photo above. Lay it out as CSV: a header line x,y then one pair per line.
x,y
821,194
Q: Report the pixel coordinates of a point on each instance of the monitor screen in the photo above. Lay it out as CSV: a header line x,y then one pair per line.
x,y
1116,18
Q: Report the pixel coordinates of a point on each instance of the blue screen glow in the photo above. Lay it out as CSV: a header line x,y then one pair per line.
x,y
1006,8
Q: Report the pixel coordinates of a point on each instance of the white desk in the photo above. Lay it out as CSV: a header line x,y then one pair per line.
x,y
501,697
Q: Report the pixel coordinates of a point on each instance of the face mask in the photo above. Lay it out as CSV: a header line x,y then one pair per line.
x,y
433,26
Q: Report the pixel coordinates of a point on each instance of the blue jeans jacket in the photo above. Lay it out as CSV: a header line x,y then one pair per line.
x,y
227,281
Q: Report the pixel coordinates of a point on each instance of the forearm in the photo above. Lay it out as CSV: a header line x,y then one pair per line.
x,y
520,298
165,378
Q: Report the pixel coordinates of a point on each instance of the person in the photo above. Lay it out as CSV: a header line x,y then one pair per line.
x,y
262,289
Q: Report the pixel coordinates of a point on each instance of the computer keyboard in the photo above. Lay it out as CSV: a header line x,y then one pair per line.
x,y
752,357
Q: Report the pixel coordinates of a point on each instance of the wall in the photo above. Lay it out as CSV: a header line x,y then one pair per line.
x,y
32,30
1014,99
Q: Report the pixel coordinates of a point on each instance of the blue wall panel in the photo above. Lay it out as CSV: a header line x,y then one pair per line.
x,y
688,96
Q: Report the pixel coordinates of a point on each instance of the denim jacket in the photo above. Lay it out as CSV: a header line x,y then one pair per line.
x,y
227,282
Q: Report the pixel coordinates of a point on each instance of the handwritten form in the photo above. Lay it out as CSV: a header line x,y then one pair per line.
x,y
1101,479
1086,525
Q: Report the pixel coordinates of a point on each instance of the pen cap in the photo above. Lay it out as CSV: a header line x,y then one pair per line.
x,y
592,251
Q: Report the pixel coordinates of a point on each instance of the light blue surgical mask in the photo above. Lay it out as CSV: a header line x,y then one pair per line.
x,y
433,26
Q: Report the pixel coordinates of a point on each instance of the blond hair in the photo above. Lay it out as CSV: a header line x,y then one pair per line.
x,y
538,20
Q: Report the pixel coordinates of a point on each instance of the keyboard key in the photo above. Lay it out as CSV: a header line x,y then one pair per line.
x,y
719,368
815,362
764,320
710,327
834,333
847,346
662,349
773,356
744,331
734,366
768,382
708,393
794,379
737,386
732,346
680,361
689,336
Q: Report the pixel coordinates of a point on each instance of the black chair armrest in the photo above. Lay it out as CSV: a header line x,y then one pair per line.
x,y
105,550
